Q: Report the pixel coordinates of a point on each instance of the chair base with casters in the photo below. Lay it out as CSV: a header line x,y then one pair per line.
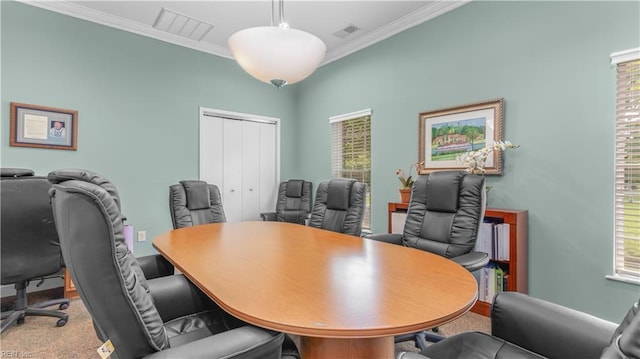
x,y
22,309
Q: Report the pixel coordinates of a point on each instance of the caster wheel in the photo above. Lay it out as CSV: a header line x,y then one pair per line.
x,y
20,320
64,306
435,330
61,322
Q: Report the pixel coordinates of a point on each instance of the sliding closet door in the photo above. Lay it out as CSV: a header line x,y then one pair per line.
x,y
241,157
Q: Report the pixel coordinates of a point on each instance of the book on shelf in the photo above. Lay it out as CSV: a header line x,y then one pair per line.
x,y
493,280
493,239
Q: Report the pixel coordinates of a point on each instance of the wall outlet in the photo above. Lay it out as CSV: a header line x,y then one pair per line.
x,y
142,236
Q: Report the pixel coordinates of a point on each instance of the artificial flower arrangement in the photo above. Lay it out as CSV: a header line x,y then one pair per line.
x,y
474,161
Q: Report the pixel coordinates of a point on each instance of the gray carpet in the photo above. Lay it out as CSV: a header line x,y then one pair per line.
x,y
39,338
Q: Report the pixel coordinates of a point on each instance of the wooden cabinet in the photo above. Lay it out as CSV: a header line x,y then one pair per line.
x,y
70,291
515,267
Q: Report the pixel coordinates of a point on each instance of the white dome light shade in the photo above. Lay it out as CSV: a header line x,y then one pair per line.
x,y
277,55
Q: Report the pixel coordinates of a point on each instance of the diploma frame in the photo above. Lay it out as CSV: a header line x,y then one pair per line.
x,y
43,127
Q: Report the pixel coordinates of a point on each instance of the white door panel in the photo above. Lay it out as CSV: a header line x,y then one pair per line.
x,y
251,171
239,153
232,169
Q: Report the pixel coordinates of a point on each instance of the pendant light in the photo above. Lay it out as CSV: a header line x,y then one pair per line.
x,y
278,54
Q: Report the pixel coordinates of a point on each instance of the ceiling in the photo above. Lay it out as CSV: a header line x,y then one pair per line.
x,y
376,20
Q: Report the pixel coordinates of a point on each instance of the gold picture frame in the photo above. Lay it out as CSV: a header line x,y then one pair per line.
x,y
446,133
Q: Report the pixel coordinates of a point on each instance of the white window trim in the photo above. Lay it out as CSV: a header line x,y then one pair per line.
x,y
350,116
624,56
616,58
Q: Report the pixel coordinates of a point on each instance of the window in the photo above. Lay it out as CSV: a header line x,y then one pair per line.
x,y
627,166
351,151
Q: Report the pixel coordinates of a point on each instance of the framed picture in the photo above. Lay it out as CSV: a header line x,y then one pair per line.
x,y
43,127
445,134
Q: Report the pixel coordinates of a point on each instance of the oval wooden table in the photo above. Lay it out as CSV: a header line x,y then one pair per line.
x,y
346,297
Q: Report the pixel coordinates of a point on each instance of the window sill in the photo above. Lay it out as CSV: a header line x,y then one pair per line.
x,y
624,278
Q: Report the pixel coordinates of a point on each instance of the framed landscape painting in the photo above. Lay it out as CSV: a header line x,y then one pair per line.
x,y
445,134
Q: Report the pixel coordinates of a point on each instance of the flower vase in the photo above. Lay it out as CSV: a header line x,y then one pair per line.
x,y
405,195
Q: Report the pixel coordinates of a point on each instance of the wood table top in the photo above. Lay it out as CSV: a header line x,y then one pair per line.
x,y
312,282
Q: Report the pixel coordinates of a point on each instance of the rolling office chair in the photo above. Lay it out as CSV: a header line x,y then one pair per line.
x,y
191,203
294,203
29,244
444,216
166,317
339,206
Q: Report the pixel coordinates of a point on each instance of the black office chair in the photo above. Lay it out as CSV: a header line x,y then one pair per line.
x,y
29,244
294,203
444,216
523,327
195,202
166,317
339,206
191,203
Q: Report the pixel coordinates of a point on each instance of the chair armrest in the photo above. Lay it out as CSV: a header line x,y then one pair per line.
x,y
268,216
472,261
154,266
548,329
246,342
175,296
392,238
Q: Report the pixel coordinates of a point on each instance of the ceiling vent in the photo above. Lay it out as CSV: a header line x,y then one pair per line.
x,y
182,25
350,29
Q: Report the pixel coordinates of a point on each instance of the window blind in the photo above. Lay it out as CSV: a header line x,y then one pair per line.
x,y
351,152
627,167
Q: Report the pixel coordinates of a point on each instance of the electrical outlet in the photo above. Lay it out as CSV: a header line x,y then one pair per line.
x,y
142,236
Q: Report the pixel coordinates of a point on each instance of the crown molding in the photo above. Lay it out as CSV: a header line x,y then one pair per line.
x,y
428,12
99,17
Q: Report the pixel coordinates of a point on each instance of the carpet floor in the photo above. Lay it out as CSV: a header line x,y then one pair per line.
x,y
39,338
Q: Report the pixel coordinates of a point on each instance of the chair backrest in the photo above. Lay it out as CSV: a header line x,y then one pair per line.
x,y
29,244
339,206
294,201
445,213
104,271
195,202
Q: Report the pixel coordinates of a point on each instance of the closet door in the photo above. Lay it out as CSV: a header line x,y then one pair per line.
x,y
269,181
211,159
251,174
241,158
232,169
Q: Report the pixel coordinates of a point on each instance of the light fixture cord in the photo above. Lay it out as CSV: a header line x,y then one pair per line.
x,y
281,12
272,11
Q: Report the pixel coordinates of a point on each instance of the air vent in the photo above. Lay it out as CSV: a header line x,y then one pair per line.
x,y
350,29
182,25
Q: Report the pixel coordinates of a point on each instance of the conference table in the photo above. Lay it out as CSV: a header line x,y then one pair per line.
x,y
344,296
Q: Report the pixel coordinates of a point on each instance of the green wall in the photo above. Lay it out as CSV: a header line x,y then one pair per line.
x,y
550,63
138,102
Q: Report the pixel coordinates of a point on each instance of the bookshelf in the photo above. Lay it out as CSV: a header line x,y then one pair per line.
x,y
515,267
